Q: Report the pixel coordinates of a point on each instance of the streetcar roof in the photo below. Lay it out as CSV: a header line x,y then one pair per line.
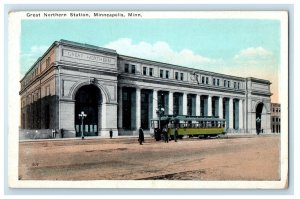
x,y
189,118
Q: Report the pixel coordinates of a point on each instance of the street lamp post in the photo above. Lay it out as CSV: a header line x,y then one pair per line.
x,y
159,112
258,125
82,115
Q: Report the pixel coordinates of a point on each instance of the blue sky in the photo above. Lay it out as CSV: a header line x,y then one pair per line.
x,y
231,46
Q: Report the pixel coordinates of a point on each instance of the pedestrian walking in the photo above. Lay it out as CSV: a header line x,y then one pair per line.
x,y
141,136
62,133
176,134
165,133
110,133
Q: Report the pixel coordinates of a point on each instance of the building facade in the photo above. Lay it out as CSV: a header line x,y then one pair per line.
x,y
123,93
275,117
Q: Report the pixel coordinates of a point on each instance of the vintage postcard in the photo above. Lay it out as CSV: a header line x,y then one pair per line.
x,y
148,99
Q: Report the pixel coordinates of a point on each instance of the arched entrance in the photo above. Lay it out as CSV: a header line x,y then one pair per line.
x,y
87,99
260,117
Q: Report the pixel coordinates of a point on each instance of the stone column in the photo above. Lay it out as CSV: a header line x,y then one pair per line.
x,y
103,118
197,105
209,106
220,114
170,103
67,117
184,104
120,107
231,113
138,108
241,114
154,100
110,118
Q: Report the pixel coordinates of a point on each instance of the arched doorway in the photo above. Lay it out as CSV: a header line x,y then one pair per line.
x,y
87,99
260,117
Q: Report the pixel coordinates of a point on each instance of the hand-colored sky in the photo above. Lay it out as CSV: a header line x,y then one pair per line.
x,y
242,47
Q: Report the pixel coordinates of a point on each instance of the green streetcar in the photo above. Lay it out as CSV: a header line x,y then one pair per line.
x,y
192,126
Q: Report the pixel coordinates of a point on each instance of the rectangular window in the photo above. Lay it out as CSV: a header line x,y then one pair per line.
x,y
225,83
234,84
202,80
151,71
161,73
48,62
273,119
181,76
218,82
228,84
144,70
238,85
167,74
126,69
132,68
206,80
47,91
214,81
176,75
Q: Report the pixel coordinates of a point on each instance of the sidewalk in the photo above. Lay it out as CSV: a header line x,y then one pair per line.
x,y
86,138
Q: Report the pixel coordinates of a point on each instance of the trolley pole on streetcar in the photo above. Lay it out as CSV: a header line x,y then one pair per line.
x,y
82,115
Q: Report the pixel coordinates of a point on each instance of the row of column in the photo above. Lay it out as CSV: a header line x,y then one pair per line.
x,y
229,112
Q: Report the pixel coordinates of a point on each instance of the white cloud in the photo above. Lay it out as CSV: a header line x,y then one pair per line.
x,y
253,53
159,51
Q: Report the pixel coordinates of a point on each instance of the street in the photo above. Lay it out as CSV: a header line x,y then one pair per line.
x,y
244,157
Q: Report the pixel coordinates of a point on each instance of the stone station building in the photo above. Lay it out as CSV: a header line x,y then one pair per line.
x,y
123,93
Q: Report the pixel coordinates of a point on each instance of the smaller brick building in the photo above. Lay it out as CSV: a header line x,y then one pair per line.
x,y
275,117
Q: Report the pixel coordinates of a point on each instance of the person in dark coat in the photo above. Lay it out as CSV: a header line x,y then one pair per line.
x,y
166,136
176,134
62,133
110,133
141,136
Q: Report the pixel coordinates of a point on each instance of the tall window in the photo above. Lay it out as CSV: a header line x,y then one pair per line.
x,y
127,105
126,69
167,74
48,62
238,85
228,84
132,68
225,82
145,109
234,84
144,70
218,82
176,75
206,80
181,76
202,80
214,81
161,73
151,71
